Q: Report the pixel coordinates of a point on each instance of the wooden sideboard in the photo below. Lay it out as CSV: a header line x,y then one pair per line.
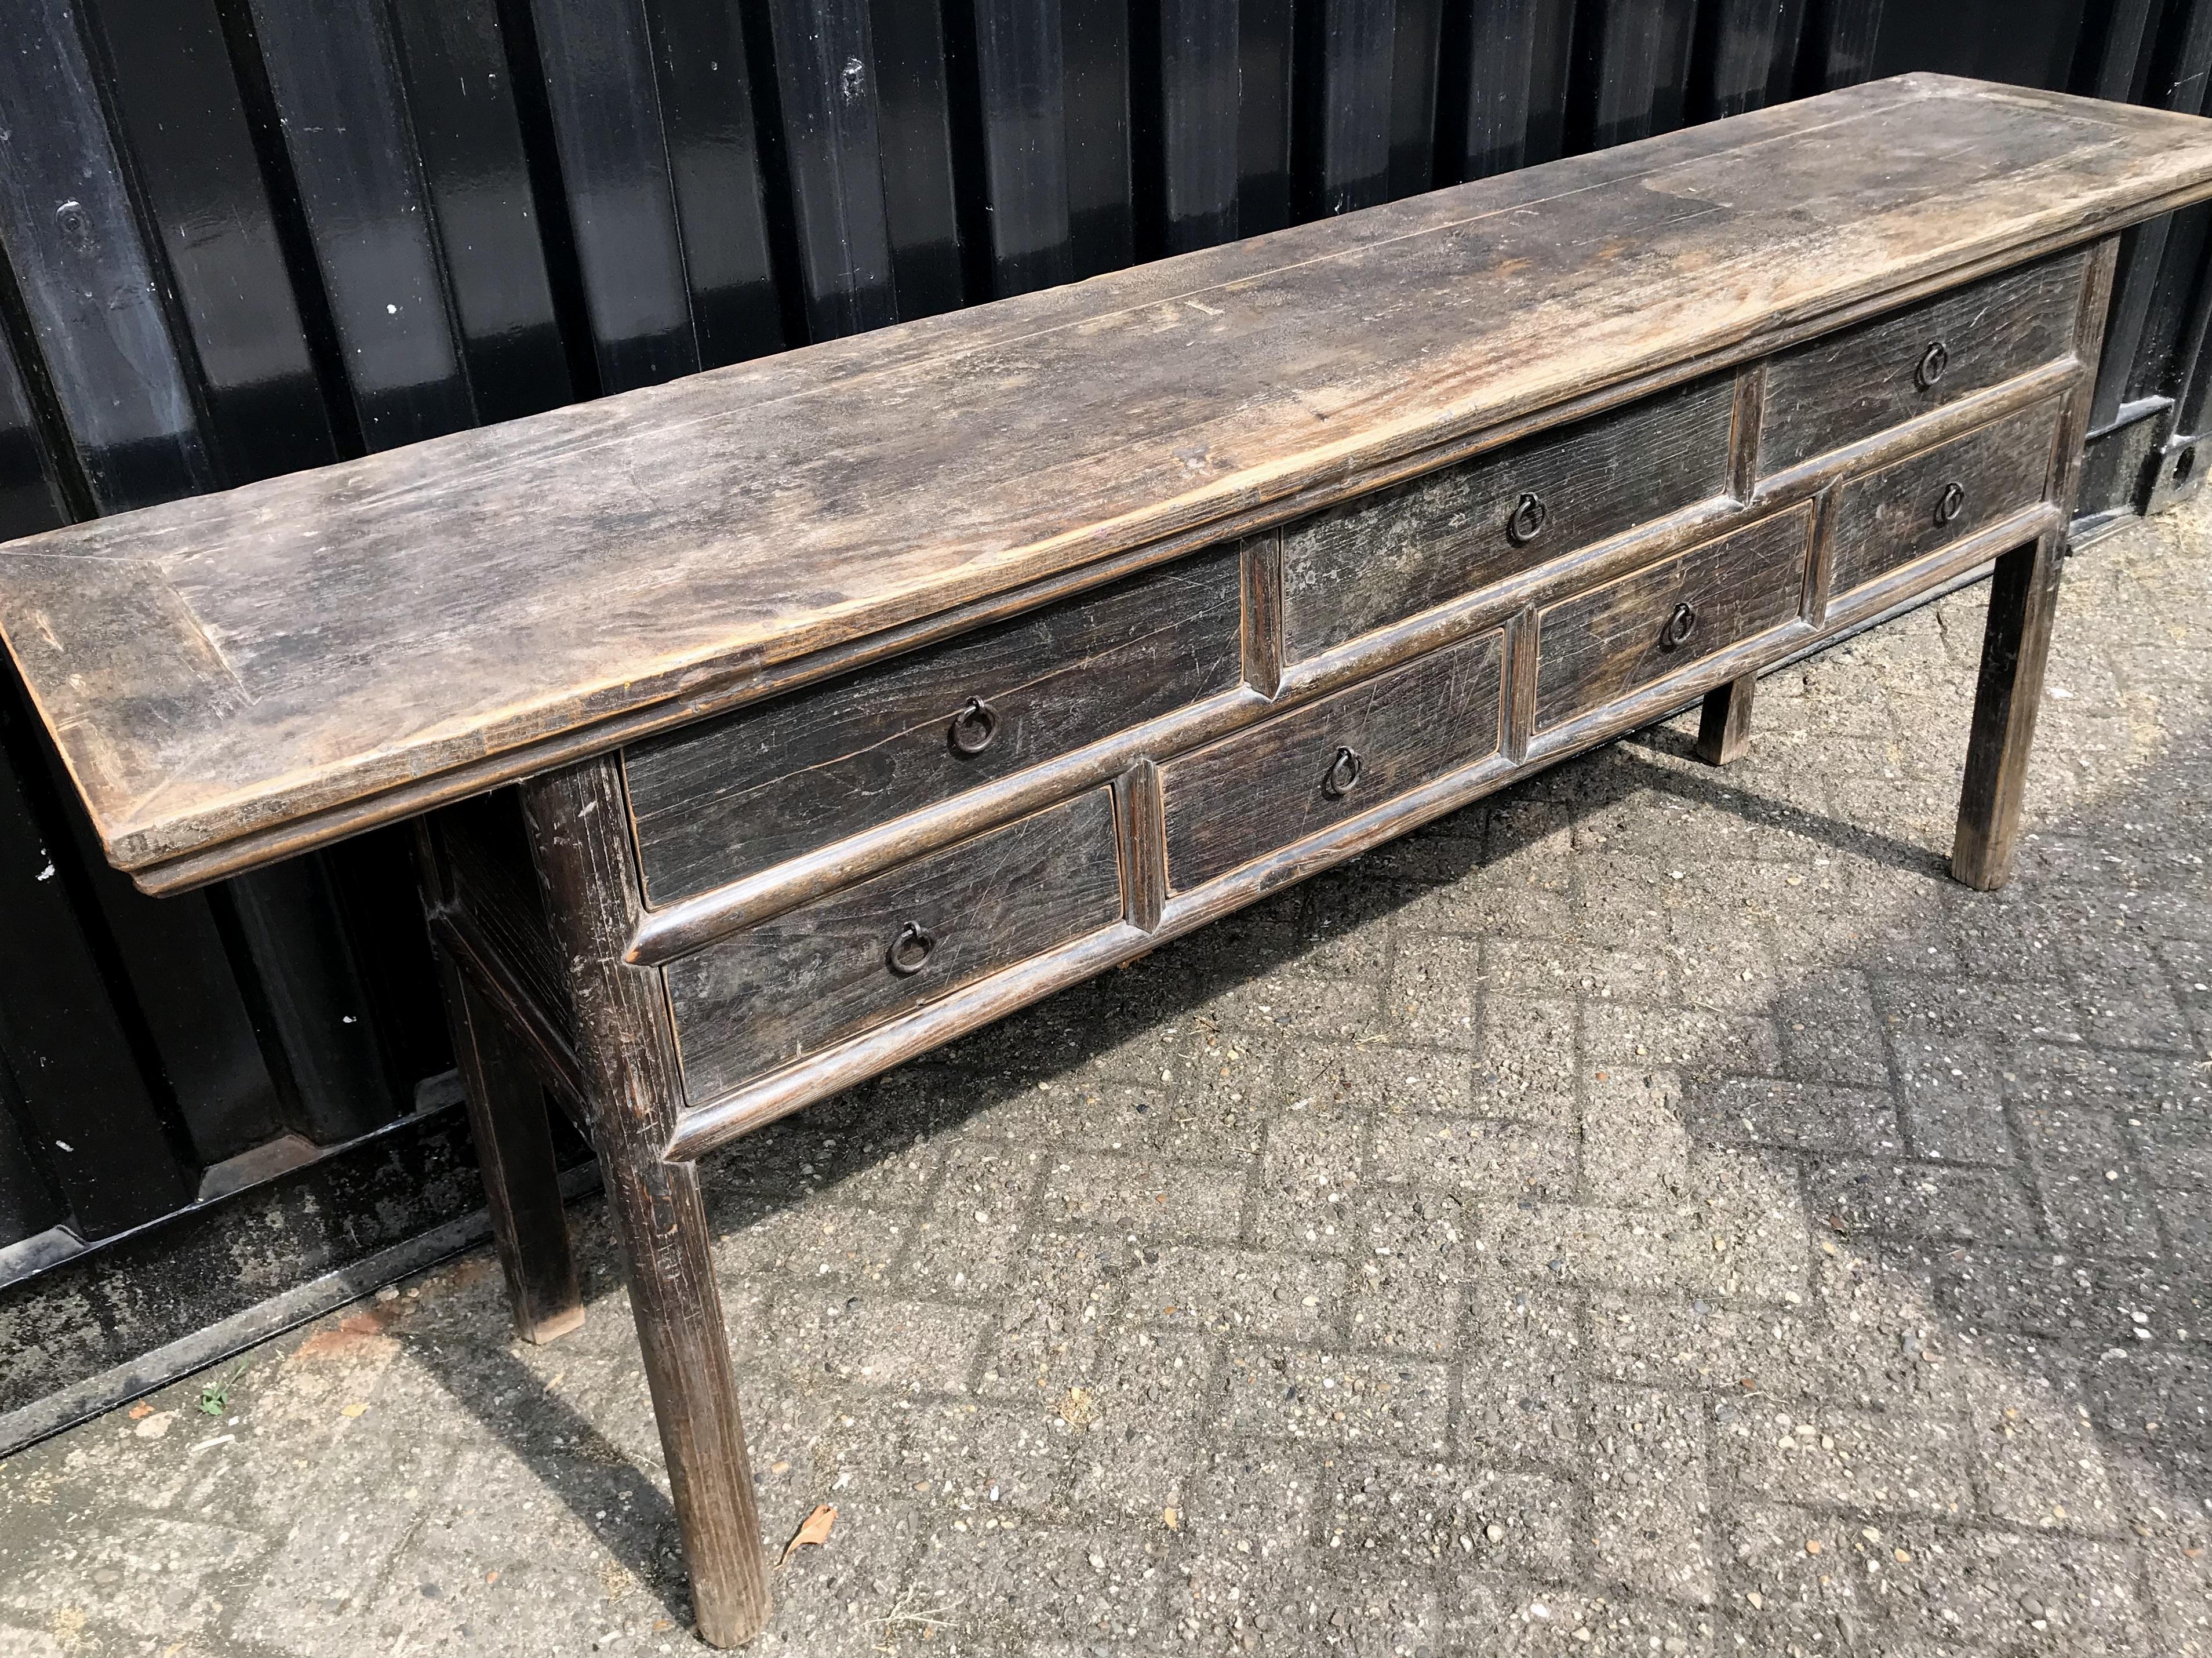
x,y
766,729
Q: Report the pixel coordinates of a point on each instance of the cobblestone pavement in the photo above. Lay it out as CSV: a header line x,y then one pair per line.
x,y
1650,1211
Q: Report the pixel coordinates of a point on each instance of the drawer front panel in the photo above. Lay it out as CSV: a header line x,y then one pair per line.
x,y
1401,550
1261,790
737,795
792,986
1852,385
1929,500
1600,645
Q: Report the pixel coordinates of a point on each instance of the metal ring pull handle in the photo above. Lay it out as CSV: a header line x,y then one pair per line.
x,y
910,949
1679,626
1951,503
1343,772
973,727
1528,520
1932,361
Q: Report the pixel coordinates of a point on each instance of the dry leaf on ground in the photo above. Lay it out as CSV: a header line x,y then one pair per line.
x,y
814,1529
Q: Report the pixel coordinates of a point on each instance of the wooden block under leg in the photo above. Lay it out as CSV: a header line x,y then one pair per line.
x,y
1724,725
514,1149
2023,599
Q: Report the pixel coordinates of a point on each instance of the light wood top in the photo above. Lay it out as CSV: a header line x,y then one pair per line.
x,y
238,676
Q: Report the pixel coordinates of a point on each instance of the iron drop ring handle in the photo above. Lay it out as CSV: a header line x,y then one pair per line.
x,y
1528,520
1951,503
910,949
973,727
1343,772
1679,626
1932,361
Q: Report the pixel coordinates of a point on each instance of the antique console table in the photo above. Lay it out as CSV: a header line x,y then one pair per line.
x,y
768,728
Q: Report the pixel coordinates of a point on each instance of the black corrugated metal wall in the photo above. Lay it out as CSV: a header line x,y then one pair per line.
x,y
238,237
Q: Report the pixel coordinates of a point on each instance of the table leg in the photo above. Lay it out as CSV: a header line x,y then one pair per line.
x,y
662,1222
2023,599
634,1090
514,1149
1724,724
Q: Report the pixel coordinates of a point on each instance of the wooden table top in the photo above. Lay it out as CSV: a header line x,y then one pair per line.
x,y
239,676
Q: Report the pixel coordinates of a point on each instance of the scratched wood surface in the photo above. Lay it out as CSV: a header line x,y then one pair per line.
x,y
265,666
1383,556
1836,390
743,791
799,981
1602,645
1903,512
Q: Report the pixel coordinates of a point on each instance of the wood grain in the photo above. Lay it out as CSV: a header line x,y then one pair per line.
x,y
737,795
1894,516
265,665
1594,649
1386,555
514,1152
792,986
633,1088
1724,721
1838,390
1287,779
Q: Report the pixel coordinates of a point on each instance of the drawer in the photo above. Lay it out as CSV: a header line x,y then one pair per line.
x,y
1262,789
1852,385
1599,647
1928,500
794,985
1400,550
733,796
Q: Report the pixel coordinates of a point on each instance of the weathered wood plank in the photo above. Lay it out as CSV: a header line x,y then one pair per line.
x,y
742,793
1603,645
261,666
1292,777
791,984
1386,555
1908,510
1836,390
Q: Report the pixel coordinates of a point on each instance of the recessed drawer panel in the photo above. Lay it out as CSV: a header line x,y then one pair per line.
x,y
1852,385
1400,550
794,985
1600,645
1928,500
734,796
1262,789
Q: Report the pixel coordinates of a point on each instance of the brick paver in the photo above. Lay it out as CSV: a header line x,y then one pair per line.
x,y
1650,1211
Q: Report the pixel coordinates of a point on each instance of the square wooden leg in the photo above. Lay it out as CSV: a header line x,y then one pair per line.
x,y
662,1221
514,1149
633,1094
2023,600
1724,724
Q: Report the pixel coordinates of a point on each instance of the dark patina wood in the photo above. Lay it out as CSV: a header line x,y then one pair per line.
x,y
1597,649
742,793
1395,552
863,694
585,852
1908,510
514,1149
845,961
1286,780
1724,721
1834,391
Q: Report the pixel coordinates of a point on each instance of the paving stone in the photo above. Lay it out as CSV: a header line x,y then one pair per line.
x,y
1336,1398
